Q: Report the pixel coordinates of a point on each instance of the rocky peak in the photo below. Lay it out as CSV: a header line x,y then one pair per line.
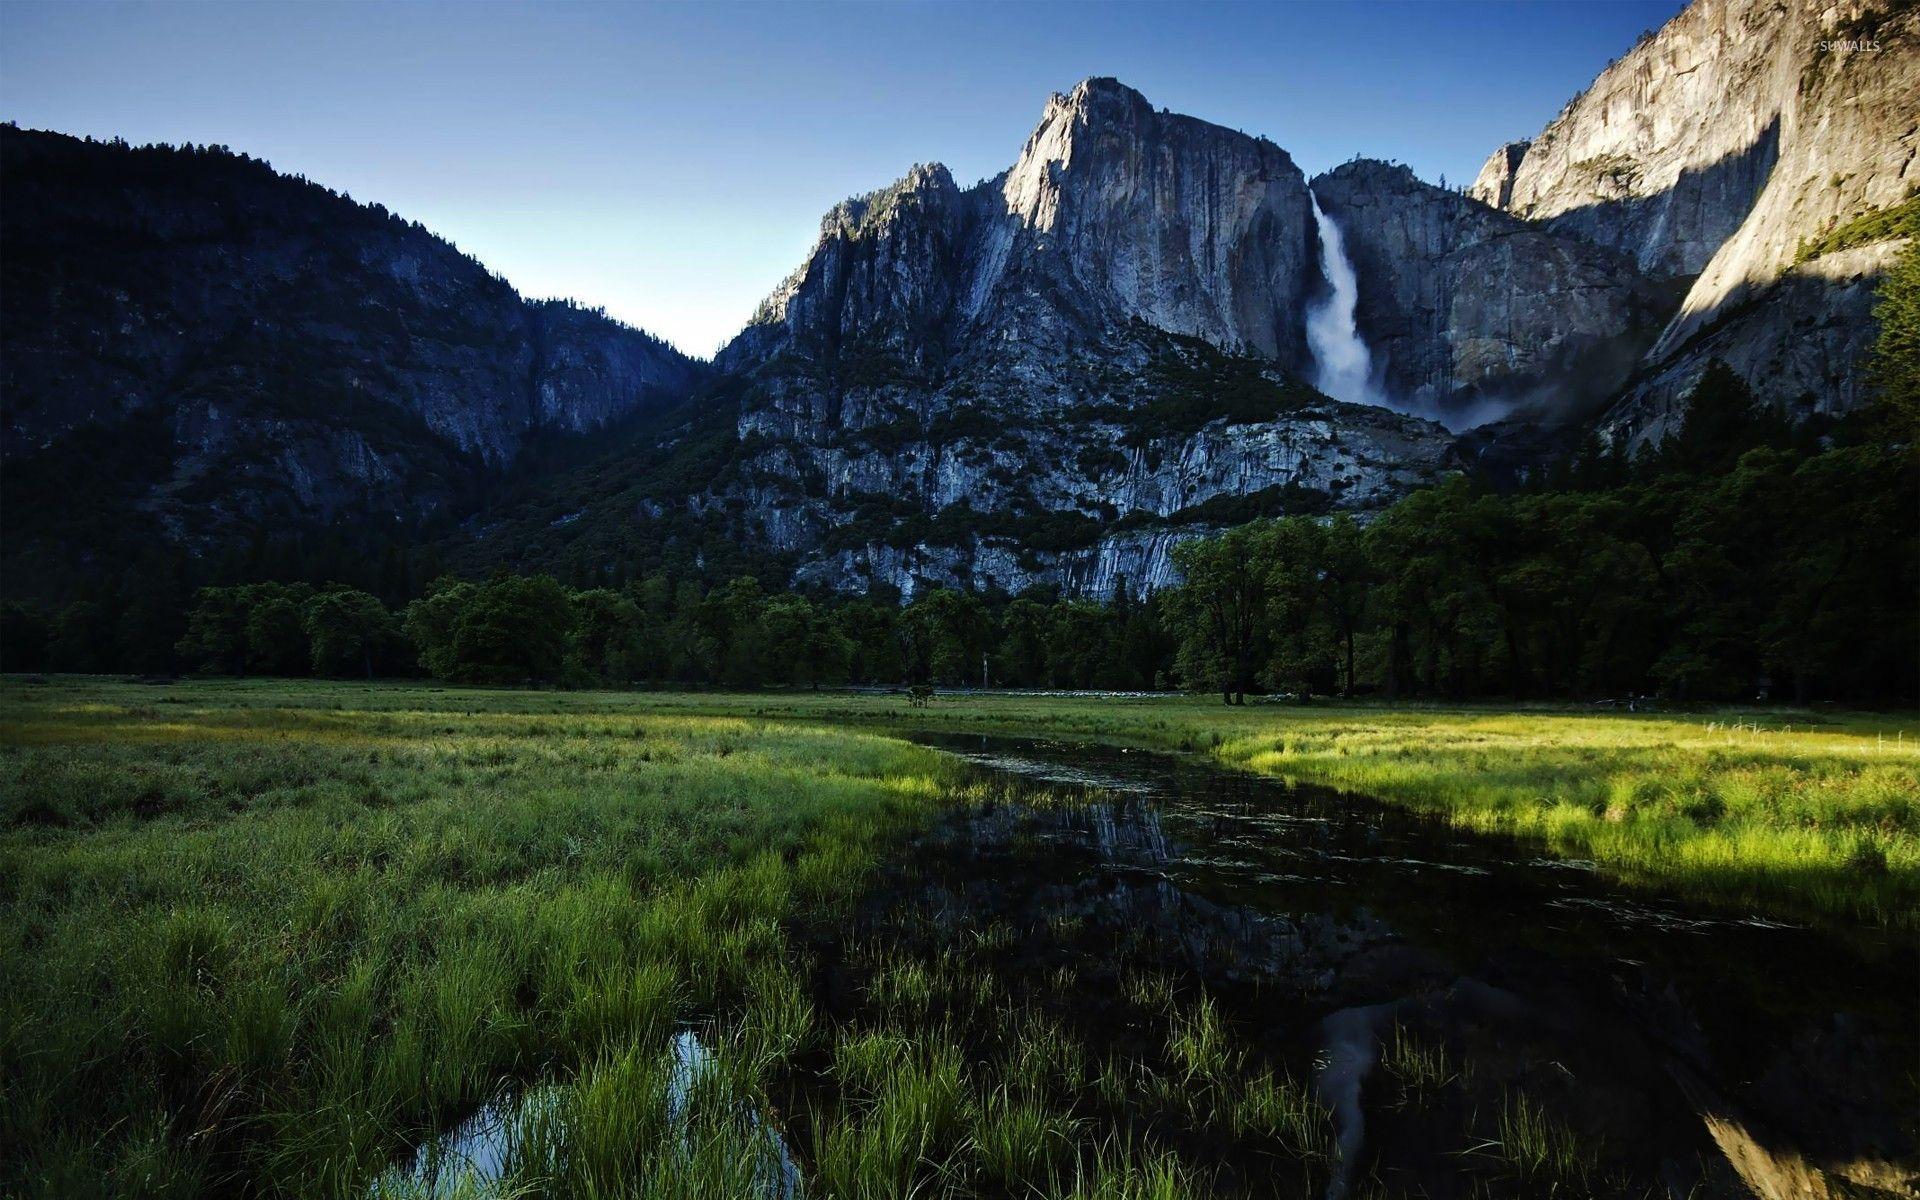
x,y
1188,226
272,353
1663,154
882,276
1113,213
1097,108
923,185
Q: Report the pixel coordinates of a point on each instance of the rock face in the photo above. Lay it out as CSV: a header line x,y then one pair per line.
x,y
1494,185
281,354
1189,227
1472,313
1046,377
1115,212
1711,153
1105,340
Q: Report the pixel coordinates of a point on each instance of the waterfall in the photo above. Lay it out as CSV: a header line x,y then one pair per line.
x,y
1343,368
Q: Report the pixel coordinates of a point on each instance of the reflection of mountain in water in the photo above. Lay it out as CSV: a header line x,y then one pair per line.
x,y
1764,1052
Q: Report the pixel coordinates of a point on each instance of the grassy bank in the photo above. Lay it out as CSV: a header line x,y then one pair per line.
x,y
262,947
1783,813
260,939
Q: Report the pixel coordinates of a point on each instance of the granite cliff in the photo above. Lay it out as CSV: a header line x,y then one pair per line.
x,y
1473,314
1048,377
1717,153
1106,341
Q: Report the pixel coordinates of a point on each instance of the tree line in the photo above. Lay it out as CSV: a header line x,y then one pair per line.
x,y
1743,558
515,629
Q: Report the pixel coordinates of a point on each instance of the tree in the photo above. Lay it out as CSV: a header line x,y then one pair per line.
x,y
1079,650
430,623
216,634
23,638
873,646
800,645
1346,575
1722,422
1020,652
513,628
728,624
276,632
1221,598
944,636
1895,369
605,643
81,638
151,620
348,632
1291,558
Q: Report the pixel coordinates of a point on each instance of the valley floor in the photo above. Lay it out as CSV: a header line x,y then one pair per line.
x,y
259,935
1786,813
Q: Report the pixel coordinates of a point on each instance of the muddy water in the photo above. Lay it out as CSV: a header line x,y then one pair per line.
x,y
1711,1053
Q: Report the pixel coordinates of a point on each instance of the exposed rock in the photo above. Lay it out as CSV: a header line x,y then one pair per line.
x,y
1474,313
1114,212
1190,227
1799,344
298,355
1494,185
1049,377
1101,336
1662,156
1711,153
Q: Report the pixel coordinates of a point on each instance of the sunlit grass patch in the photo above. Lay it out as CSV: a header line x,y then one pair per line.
x,y
266,938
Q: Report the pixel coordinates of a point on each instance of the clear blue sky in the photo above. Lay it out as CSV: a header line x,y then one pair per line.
x,y
671,161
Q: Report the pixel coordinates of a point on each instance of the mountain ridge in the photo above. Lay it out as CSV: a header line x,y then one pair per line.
x,y
1046,378
284,356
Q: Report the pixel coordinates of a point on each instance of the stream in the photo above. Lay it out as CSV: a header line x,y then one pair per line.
x,y
1709,1053
1725,1053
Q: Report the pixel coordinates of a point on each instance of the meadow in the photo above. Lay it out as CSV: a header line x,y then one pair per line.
x,y
262,937
1780,813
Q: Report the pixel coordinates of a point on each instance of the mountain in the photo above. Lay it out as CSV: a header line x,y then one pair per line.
x,y
1071,365
206,349
1048,377
1761,159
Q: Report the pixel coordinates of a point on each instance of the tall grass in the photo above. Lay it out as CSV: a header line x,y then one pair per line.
x,y
265,939
260,939
259,948
1781,812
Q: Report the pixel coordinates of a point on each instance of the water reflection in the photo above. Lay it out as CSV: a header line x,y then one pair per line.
x,y
1785,1054
474,1159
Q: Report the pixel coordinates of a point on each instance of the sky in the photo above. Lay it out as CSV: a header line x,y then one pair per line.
x,y
671,161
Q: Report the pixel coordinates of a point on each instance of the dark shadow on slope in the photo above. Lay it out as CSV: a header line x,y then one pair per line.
x,y
1713,200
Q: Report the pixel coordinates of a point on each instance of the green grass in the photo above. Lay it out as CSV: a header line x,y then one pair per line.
x,y
1420,1068
1879,225
264,947
1539,1150
260,939
1779,812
